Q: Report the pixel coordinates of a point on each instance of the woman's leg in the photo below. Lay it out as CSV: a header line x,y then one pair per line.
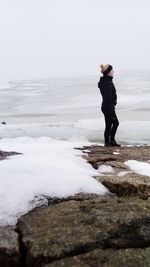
x,y
108,125
115,124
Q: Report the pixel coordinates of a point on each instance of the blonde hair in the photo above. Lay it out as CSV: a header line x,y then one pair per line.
x,y
103,67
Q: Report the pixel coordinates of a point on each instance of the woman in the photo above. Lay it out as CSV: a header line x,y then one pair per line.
x,y
109,101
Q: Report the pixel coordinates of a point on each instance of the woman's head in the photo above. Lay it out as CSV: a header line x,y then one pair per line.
x,y
107,70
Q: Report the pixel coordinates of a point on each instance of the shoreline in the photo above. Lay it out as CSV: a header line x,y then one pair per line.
x,y
85,228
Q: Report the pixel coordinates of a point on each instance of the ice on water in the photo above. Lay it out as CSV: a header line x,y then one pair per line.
x,y
66,108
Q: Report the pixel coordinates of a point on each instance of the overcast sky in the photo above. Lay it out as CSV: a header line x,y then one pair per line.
x,y
50,38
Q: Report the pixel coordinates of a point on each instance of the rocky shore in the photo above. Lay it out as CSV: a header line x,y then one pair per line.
x,y
88,229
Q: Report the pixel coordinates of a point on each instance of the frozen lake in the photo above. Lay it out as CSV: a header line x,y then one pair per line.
x,y
69,108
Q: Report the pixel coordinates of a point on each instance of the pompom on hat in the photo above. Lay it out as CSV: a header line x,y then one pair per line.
x,y
105,69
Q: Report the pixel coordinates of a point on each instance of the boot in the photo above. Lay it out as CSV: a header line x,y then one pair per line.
x,y
108,144
114,143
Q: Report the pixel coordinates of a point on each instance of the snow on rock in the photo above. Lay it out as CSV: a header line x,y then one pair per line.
x,y
47,167
139,167
105,169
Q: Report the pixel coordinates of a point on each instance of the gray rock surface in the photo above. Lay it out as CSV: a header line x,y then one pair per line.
x,y
141,153
74,227
128,184
9,247
131,184
78,197
107,258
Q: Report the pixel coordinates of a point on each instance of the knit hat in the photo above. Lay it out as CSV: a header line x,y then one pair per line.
x,y
105,69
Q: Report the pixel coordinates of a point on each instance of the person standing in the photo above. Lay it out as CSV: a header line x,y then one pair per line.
x,y
109,101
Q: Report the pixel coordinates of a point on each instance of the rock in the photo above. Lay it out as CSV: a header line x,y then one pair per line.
x,y
77,197
107,258
141,153
5,154
143,195
73,227
118,165
9,247
93,159
131,184
123,181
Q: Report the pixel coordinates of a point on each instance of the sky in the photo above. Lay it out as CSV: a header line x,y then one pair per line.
x,y
63,38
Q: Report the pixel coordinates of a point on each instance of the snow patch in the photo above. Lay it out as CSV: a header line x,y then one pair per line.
x,y
47,167
139,167
105,169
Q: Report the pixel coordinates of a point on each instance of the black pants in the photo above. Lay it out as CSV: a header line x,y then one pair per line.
x,y
111,124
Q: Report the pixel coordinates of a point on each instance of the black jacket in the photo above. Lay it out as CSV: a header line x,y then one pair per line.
x,y
108,91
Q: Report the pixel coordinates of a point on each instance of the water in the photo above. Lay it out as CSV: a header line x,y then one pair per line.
x,y
69,108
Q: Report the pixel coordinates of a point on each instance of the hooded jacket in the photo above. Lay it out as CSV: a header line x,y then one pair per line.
x,y
108,92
